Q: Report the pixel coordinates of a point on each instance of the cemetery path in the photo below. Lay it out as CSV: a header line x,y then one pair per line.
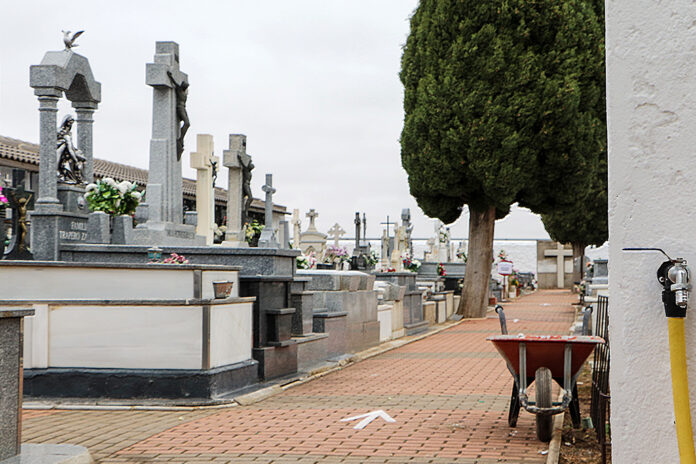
x,y
448,393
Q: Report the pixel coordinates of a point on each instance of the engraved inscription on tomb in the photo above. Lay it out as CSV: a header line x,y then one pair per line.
x,y
76,231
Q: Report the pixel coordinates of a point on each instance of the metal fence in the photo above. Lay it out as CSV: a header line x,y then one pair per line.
x,y
600,406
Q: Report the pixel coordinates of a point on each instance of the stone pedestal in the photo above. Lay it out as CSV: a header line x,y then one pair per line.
x,y
11,363
50,228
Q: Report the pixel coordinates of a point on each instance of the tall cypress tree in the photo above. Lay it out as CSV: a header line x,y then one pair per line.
x,y
583,223
499,103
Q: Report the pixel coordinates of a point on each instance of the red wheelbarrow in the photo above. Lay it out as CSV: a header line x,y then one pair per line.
x,y
540,359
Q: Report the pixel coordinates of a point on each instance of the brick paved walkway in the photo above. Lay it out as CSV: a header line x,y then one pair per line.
x,y
449,395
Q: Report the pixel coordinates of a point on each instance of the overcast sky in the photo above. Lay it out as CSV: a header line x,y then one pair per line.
x,y
313,84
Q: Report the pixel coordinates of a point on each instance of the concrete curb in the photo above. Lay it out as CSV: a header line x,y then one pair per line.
x,y
555,443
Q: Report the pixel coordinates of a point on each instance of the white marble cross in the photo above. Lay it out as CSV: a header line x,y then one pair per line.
x,y
560,254
336,232
202,161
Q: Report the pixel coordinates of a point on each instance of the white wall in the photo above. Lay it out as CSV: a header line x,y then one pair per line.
x,y
85,283
230,333
137,337
651,103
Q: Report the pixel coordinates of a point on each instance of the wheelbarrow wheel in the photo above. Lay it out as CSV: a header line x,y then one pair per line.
x,y
544,423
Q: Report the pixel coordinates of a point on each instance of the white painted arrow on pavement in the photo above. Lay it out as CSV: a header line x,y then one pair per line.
x,y
367,418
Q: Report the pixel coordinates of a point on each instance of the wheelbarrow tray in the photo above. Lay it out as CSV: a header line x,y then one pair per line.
x,y
545,351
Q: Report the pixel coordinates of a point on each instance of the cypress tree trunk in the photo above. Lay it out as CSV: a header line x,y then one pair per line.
x,y
478,264
578,258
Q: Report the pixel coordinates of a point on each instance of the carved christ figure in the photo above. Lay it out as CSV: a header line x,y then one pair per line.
x,y
181,91
70,159
247,167
21,204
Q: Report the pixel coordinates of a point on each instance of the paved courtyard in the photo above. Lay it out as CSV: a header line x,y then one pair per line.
x,y
448,393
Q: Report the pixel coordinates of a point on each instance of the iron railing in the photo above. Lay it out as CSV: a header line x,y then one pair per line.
x,y
600,406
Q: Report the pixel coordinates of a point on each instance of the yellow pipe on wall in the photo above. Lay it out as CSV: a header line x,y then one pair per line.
x,y
680,390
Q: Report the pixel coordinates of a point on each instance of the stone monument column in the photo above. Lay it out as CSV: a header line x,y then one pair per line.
x,y
48,182
202,161
234,236
84,120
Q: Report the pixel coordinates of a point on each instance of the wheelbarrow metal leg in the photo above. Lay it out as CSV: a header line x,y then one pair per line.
x,y
514,412
574,408
522,375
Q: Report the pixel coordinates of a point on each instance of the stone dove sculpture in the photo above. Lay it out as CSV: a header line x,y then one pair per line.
x,y
70,41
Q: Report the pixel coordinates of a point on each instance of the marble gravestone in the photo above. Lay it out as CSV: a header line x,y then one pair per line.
x,y
203,161
164,208
60,212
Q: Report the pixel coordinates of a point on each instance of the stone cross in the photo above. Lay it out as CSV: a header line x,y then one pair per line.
x,y
385,250
202,161
164,195
234,236
364,235
268,236
336,232
357,230
296,229
312,215
560,254
388,224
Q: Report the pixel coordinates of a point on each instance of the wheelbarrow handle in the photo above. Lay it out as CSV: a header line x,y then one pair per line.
x,y
501,318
